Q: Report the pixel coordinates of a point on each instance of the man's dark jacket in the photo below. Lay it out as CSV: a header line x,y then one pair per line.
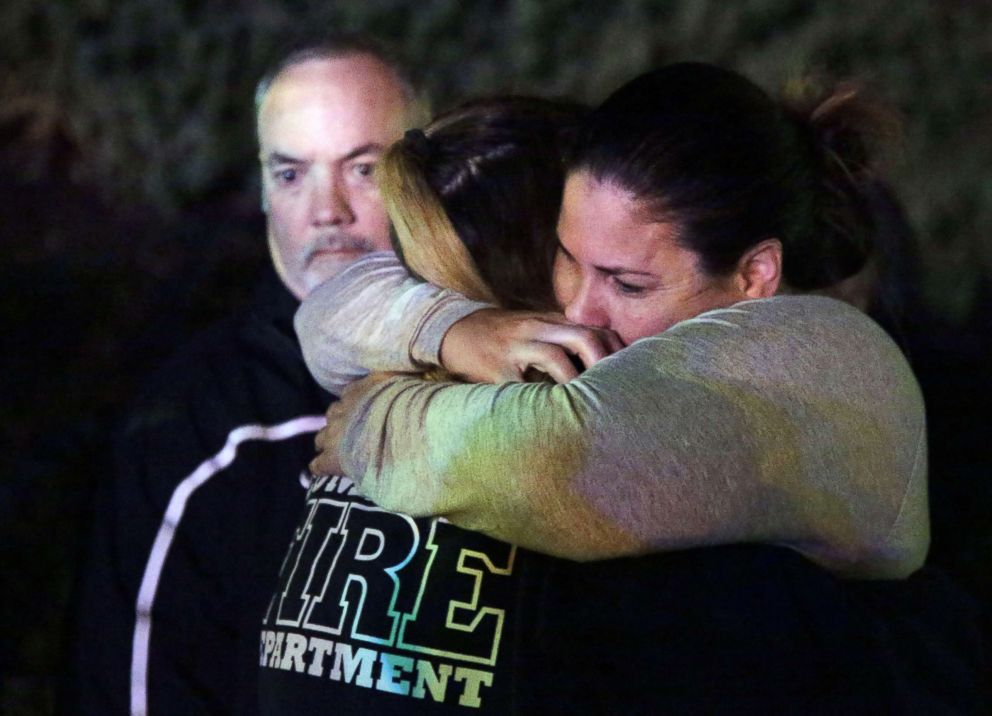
x,y
191,527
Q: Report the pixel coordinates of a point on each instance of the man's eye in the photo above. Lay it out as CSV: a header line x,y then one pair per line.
x,y
364,169
285,176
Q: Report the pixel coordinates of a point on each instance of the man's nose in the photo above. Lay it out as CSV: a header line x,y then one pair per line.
x,y
585,307
330,203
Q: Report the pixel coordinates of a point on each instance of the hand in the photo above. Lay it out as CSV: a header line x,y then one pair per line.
x,y
339,417
496,346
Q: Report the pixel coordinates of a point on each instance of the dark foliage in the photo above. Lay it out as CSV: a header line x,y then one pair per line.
x,y
129,218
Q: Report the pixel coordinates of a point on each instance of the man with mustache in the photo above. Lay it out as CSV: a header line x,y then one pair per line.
x,y
191,529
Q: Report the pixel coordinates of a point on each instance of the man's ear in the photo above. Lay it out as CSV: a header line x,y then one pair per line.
x,y
759,270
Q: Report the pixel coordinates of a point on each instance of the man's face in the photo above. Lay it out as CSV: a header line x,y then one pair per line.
x,y
616,268
322,127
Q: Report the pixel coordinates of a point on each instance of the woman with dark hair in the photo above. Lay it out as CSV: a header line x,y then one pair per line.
x,y
791,420
731,416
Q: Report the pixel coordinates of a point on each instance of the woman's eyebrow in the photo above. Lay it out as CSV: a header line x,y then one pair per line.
x,y
616,270
608,270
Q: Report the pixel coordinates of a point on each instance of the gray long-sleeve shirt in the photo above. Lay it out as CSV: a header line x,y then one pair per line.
x,y
792,420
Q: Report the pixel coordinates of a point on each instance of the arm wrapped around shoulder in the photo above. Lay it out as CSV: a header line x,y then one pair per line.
x,y
374,316
792,420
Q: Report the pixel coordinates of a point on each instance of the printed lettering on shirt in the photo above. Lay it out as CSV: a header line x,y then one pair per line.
x,y
378,600
472,625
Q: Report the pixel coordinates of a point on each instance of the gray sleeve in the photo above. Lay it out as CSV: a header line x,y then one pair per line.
x,y
374,316
745,425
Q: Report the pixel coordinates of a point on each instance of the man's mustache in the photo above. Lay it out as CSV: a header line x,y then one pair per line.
x,y
338,241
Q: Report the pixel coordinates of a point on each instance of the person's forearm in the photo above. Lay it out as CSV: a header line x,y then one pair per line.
x,y
374,317
656,448
582,471
482,463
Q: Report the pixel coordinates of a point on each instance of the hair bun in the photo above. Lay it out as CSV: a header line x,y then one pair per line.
x,y
849,134
851,130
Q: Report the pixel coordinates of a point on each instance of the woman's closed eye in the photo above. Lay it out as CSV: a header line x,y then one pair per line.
x,y
628,289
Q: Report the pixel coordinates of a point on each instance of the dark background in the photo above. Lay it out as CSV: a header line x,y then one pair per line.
x,y
129,214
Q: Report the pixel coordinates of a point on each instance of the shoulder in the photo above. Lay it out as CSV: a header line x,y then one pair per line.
x,y
200,371
836,339
805,348
816,330
221,388
805,316
185,407
814,315
245,369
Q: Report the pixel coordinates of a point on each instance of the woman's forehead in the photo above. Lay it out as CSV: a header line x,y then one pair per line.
x,y
602,224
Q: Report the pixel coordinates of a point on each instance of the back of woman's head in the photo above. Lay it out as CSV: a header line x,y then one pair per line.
x,y
474,198
709,151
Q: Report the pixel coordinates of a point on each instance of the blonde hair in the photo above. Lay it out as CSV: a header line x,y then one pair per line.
x,y
474,198
427,240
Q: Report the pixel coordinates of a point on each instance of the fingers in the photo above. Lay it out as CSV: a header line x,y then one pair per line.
x,y
324,464
611,339
589,344
327,441
547,342
547,358
495,346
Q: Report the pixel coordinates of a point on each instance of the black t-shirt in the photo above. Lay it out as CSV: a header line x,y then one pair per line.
x,y
380,613
377,612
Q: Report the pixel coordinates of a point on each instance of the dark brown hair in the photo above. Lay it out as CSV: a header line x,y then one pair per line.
x,y
708,150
